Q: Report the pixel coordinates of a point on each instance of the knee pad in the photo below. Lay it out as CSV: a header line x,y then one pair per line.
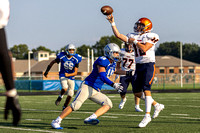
x,y
108,102
76,105
70,92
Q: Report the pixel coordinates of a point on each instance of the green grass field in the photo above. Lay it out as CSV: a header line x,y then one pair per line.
x,y
181,115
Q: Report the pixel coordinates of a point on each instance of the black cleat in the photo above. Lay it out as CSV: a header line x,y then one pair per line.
x,y
57,102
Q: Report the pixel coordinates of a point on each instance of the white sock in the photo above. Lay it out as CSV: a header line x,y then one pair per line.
x,y
61,96
148,101
147,115
156,104
93,116
137,106
124,99
59,119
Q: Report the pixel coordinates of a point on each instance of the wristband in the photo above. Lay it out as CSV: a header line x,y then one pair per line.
x,y
11,93
135,41
113,24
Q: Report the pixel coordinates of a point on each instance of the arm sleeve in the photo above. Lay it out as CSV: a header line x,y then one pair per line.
x,y
77,65
105,79
57,60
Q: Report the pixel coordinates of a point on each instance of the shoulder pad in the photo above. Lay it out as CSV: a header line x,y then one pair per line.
x,y
130,35
152,35
103,61
79,57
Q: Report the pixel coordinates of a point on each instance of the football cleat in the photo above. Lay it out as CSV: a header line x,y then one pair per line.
x,y
157,110
56,124
57,102
122,103
91,121
138,110
145,121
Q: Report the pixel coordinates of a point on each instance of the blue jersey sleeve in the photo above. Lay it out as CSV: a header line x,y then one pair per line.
x,y
79,57
103,61
60,56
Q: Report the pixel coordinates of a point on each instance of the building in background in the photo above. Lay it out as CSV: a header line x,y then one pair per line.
x,y
165,65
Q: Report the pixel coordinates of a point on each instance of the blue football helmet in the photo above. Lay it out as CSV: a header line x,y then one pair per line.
x,y
109,51
68,47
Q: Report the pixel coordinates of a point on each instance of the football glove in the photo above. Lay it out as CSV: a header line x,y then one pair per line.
x,y
118,87
130,72
12,104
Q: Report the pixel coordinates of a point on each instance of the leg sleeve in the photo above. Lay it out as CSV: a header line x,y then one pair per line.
x,y
5,65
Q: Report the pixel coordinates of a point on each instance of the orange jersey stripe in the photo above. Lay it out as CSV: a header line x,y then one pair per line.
x,y
153,74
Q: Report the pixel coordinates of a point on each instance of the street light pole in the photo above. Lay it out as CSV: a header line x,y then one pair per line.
x,y
29,63
181,56
29,69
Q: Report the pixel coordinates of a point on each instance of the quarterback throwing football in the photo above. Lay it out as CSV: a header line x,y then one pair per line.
x,y
144,45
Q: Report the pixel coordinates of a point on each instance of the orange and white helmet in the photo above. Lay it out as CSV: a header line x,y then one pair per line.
x,y
143,25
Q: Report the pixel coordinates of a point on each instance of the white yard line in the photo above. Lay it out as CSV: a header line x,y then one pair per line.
x,y
181,114
109,117
28,129
33,119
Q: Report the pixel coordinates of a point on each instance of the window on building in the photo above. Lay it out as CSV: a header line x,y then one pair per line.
x,y
45,55
171,70
41,55
162,71
180,70
191,70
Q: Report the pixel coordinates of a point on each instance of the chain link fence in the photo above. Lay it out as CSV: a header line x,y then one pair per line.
x,y
161,81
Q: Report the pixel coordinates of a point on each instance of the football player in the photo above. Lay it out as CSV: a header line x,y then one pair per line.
x,y
90,88
12,102
127,63
69,67
144,42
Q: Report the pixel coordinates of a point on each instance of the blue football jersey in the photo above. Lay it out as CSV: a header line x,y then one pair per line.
x,y
94,79
67,64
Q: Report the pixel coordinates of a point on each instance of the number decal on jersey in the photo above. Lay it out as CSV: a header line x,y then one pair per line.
x,y
110,71
103,58
129,60
68,65
154,40
138,52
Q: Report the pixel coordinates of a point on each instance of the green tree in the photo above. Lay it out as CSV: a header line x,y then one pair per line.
x,y
190,51
20,51
42,48
169,48
82,50
99,46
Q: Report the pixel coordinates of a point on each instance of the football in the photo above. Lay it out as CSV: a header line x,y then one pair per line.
x,y
107,10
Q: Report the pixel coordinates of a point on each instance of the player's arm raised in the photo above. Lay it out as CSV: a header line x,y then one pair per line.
x,y
122,37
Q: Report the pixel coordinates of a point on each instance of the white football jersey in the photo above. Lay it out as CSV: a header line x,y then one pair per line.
x,y
127,60
149,55
4,12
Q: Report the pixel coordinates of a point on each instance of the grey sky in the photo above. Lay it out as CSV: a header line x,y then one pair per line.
x,y
55,23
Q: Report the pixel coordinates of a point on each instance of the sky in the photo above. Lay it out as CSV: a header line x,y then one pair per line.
x,y
56,23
